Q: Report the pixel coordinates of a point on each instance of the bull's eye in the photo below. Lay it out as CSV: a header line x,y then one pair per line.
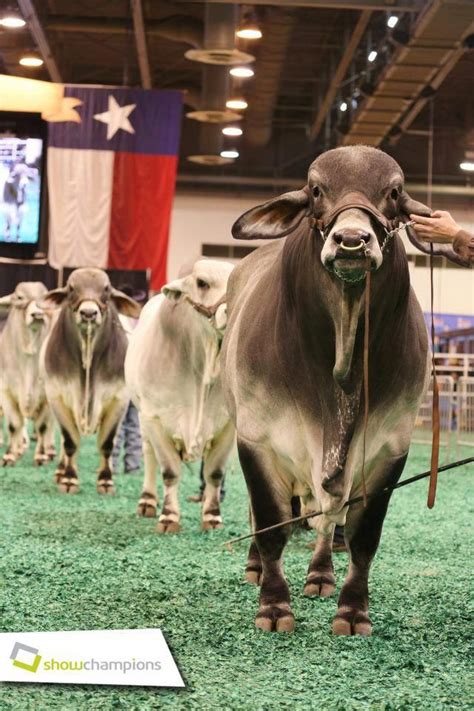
x,y
202,284
316,192
394,194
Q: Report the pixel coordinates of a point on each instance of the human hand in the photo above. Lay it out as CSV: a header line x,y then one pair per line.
x,y
440,227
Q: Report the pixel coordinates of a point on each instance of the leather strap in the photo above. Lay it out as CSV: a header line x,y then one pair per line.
x,y
351,200
366,376
435,411
208,311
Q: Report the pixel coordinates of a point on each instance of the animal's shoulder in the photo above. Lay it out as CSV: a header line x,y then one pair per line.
x,y
254,266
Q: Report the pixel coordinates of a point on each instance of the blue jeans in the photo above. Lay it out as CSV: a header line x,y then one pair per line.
x,y
128,437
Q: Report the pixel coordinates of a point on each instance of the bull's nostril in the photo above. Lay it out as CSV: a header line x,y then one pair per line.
x,y
338,237
365,236
88,314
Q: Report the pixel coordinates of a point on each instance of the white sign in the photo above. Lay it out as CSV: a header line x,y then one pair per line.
x,y
128,657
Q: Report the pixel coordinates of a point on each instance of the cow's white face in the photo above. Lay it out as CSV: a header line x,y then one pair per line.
x,y
350,235
205,285
35,316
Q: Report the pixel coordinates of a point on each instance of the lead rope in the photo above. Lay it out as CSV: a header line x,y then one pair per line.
x,y
86,364
435,421
366,376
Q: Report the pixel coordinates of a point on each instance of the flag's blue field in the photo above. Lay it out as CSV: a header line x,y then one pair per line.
x,y
87,562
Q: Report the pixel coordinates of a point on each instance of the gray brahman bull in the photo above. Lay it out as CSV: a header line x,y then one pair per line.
x,y
172,371
83,361
22,394
292,369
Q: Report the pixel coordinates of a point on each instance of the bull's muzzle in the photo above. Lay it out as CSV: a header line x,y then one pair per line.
x,y
89,313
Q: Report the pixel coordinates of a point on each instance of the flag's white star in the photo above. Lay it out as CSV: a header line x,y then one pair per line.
x,y
116,117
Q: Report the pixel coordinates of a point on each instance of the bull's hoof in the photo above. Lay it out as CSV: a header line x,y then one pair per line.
x,y
68,486
319,585
147,508
349,621
105,486
211,524
58,475
8,460
168,526
40,459
252,576
275,618
50,454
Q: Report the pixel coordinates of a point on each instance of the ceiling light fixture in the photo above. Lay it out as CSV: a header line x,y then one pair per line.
x,y
372,56
242,72
232,131
31,60
13,22
343,106
249,28
392,21
236,103
467,165
229,154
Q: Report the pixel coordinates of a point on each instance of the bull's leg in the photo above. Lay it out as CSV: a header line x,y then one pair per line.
x,y
320,581
270,499
170,465
214,467
148,501
109,422
15,424
362,532
66,473
44,428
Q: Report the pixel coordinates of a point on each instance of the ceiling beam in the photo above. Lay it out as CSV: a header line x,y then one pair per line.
x,y
396,5
140,40
341,70
36,30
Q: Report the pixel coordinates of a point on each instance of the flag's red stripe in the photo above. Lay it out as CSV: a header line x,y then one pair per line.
x,y
142,197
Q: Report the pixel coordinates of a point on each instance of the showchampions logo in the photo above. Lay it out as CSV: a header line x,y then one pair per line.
x,y
78,665
131,657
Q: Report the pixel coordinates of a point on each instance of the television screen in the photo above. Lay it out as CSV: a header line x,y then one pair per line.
x,y
20,189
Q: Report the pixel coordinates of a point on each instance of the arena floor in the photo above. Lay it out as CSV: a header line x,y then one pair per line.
x,y
87,562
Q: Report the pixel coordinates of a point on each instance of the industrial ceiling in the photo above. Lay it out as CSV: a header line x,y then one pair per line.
x,y
314,86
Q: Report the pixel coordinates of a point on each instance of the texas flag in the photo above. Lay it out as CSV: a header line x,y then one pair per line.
x,y
111,180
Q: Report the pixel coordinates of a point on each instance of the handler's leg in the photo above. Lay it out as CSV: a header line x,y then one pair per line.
x,y
271,504
363,530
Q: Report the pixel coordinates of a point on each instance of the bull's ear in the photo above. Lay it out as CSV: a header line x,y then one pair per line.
x,y
273,219
174,290
6,302
54,297
408,206
124,304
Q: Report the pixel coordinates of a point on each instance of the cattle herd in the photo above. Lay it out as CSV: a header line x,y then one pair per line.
x,y
268,354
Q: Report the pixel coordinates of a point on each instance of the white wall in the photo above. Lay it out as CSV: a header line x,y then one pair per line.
x,y
206,217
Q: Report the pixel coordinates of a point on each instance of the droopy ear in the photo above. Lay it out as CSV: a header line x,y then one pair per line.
x,y
54,297
125,305
439,250
6,302
412,207
274,219
174,291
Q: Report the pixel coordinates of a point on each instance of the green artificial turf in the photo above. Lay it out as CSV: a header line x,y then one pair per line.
x,y
87,562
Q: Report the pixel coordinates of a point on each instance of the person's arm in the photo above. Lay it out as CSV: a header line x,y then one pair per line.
x,y
442,228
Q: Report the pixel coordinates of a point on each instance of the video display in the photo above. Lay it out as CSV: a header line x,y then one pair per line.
x,y
20,189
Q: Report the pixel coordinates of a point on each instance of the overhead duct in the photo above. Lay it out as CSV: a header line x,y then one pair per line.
x,y
414,72
177,28
265,85
219,38
211,142
215,88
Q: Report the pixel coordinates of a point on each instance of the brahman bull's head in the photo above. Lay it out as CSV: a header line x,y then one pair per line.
x,y
204,288
27,299
354,198
88,294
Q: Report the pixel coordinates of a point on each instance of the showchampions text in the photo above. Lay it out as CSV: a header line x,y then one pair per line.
x,y
119,665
